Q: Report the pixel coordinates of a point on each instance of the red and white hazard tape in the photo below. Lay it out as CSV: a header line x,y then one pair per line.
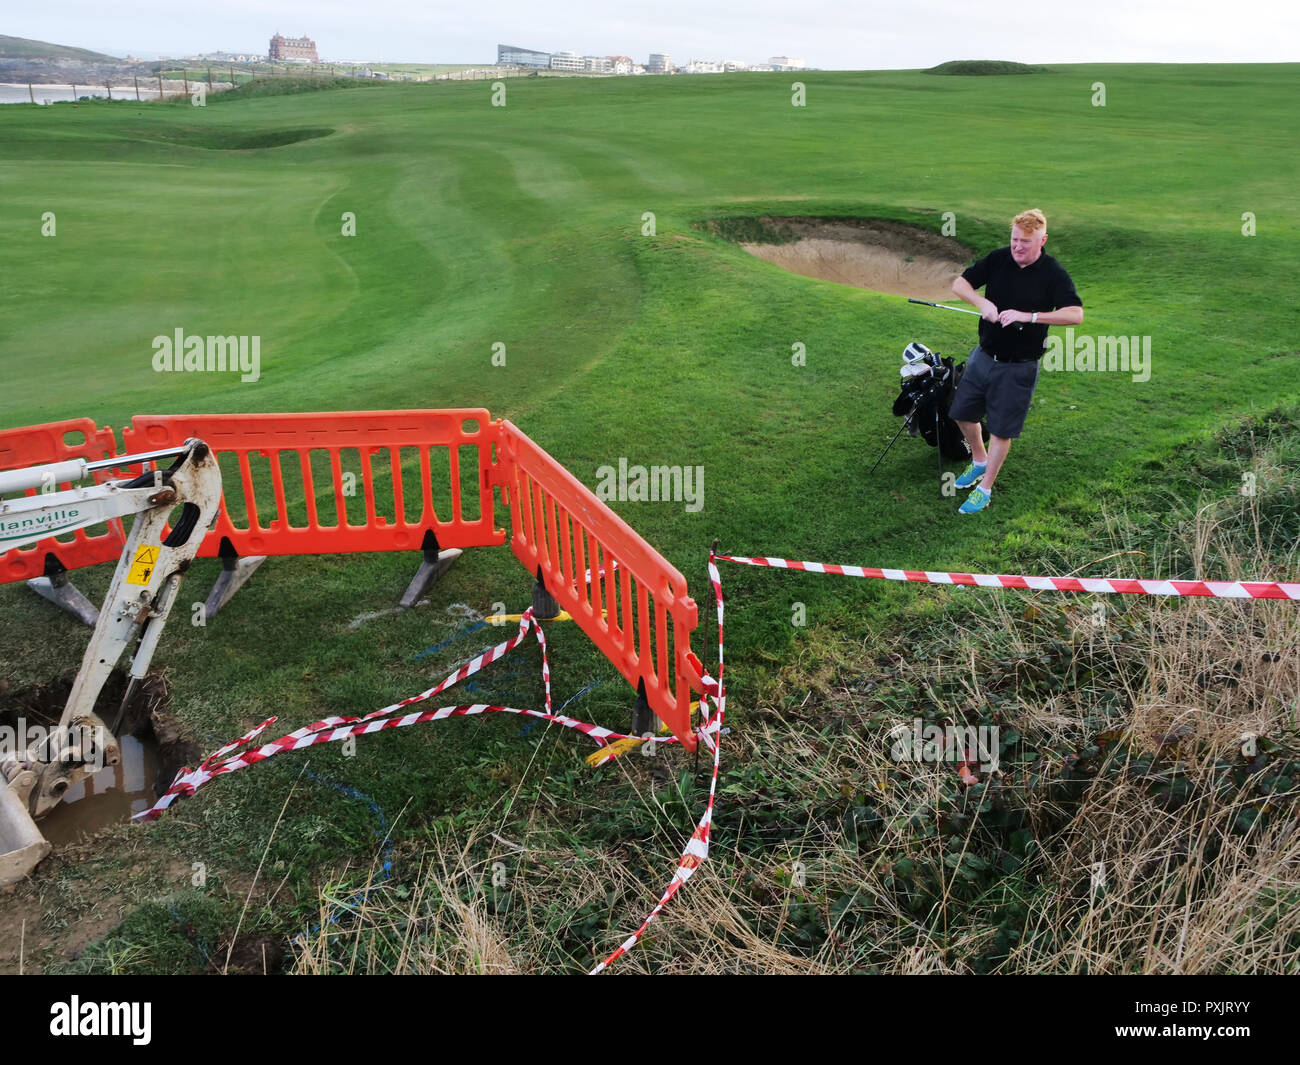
x,y
336,729
600,572
697,848
1113,585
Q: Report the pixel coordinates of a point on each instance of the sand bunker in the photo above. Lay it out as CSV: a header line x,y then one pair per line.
x,y
880,255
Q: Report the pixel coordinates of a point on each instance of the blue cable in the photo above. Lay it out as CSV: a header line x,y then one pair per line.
x,y
205,955
451,639
533,723
387,867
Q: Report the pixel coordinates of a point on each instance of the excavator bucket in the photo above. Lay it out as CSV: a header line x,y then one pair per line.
x,y
21,842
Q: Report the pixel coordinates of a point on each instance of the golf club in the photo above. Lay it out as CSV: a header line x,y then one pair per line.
x,y
942,306
888,446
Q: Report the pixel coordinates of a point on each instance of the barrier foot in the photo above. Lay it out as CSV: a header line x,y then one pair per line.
x,y
544,605
436,563
234,572
643,718
56,587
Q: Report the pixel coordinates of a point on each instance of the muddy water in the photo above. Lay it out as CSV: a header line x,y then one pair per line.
x,y
110,796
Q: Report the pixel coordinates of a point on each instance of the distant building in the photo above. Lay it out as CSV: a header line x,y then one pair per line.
x,y
704,66
292,50
567,61
660,63
786,62
509,55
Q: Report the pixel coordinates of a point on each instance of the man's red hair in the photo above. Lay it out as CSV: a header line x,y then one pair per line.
x,y
1030,221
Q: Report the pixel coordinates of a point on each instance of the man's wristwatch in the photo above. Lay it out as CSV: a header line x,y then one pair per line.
x,y
1033,318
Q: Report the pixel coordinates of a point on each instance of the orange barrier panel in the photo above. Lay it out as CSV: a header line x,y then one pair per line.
x,y
36,445
560,528
325,483
305,484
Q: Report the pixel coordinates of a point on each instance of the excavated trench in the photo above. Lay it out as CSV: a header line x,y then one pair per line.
x,y
150,741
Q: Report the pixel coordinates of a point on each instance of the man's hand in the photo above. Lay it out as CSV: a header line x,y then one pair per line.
x,y
1007,318
962,288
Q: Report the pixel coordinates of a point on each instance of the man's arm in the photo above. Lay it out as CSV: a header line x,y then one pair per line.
x,y
1060,316
988,310
1069,307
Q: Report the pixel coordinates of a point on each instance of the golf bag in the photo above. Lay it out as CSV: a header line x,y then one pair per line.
x,y
929,384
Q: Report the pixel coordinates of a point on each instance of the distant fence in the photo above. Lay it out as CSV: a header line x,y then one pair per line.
x,y
142,89
220,77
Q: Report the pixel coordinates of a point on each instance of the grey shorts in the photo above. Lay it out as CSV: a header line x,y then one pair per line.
x,y
1003,390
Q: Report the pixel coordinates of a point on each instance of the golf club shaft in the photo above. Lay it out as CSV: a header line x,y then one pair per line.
x,y
942,306
887,447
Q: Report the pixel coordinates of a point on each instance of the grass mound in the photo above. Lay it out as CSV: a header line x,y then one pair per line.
x,y
764,230
984,66
24,48
289,86
231,140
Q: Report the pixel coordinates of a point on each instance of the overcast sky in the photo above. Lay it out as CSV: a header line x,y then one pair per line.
x,y
832,35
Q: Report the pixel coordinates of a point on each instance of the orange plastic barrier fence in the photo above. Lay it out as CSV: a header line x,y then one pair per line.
x,y
625,596
306,484
36,445
325,483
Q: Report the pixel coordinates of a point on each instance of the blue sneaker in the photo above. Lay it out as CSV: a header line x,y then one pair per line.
x,y
975,502
972,475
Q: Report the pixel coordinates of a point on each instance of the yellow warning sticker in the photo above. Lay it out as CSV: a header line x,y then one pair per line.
x,y
142,565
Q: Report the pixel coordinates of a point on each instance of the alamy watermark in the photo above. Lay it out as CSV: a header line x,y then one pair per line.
x,y
1098,354
972,744
83,743
213,354
115,1019
651,484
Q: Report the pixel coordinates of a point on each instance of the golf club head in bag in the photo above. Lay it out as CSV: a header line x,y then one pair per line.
x,y
918,360
926,389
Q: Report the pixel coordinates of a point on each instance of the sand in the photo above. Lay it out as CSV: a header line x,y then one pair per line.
x,y
883,256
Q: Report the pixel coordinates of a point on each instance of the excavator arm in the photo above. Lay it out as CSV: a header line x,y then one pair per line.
x,y
162,543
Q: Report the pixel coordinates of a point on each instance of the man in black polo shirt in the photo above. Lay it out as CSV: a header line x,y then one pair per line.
x,y
1026,292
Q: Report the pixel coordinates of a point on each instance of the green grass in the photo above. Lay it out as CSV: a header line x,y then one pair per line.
x,y
984,66
524,225
255,87
23,48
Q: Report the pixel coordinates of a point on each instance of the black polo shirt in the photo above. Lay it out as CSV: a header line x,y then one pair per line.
x,y
1041,286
